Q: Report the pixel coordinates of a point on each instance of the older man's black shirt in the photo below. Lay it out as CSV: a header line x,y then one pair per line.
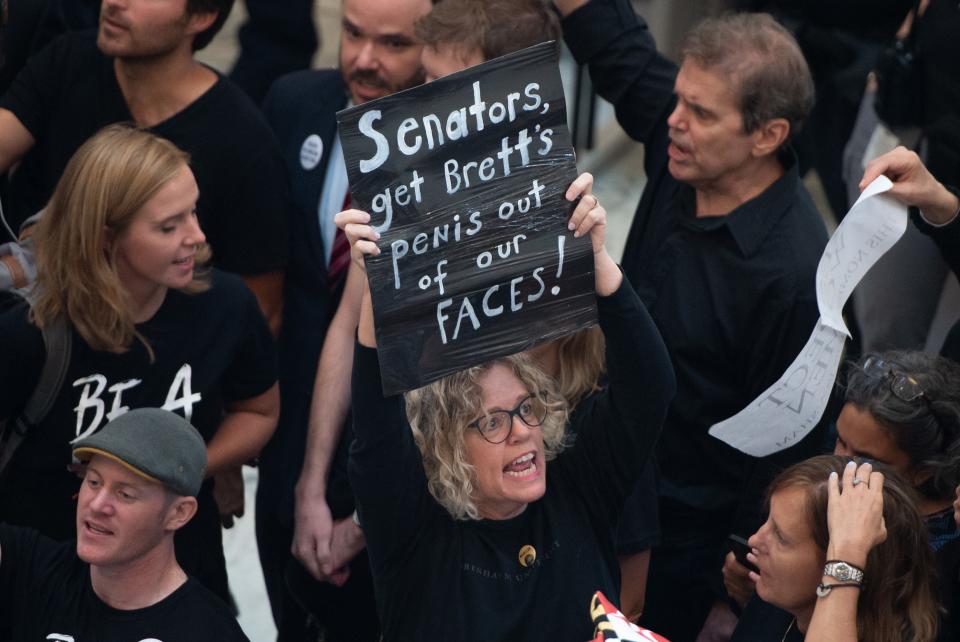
x,y
733,296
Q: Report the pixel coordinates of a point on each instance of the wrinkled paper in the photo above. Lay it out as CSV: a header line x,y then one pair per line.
x,y
789,409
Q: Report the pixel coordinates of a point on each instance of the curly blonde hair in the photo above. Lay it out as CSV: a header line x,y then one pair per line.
x,y
440,412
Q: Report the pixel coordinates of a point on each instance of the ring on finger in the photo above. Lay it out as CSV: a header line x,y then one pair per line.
x,y
857,480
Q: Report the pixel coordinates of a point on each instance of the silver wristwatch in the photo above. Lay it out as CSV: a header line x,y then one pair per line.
x,y
843,572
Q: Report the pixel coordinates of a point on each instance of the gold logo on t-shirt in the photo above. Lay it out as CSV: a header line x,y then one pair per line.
x,y
527,556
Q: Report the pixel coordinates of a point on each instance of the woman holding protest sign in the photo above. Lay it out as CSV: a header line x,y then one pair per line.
x,y
119,258
469,538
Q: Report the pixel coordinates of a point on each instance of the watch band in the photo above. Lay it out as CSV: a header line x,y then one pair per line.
x,y
843,571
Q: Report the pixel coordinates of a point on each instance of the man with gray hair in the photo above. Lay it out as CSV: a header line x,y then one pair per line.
x,y
121,580
723,251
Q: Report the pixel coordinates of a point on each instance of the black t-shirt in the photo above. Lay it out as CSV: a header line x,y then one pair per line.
x,y
441,579
210,349
46,594
764,622
69,91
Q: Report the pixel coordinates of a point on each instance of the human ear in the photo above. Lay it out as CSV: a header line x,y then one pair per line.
x,y
200,22
770,136
180,512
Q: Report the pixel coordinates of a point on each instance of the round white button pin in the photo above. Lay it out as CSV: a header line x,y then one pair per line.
x,y
311,152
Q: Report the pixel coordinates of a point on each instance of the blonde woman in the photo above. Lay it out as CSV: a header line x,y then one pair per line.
x,y
119,257
481,521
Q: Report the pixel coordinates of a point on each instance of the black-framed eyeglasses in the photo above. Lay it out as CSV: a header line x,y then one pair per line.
x,y
496,426
902,385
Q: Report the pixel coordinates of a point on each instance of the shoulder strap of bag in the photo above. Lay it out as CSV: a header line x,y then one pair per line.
x,y
58,342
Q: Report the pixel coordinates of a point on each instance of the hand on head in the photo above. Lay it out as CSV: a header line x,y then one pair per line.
x,y
855,513
913,184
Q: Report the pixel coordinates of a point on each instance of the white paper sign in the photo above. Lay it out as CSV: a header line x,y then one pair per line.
x,y
789,409
870,228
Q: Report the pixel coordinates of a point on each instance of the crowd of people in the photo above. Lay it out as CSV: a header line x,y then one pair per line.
x,y
200,302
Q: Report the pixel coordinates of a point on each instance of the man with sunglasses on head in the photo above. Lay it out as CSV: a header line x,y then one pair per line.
x,y
120,580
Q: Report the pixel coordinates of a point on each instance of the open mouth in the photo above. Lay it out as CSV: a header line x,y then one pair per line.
x,y
523,466
184,261
97,530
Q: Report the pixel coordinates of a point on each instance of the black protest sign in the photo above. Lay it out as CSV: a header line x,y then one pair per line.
x,y
464,178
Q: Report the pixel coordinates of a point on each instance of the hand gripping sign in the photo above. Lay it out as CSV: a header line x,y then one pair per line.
x,y
464,178
789,409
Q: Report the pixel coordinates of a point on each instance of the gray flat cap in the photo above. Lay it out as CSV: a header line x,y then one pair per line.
x,y
156,444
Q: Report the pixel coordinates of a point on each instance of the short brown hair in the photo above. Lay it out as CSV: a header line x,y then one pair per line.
x,y
492,27
220,7
764,62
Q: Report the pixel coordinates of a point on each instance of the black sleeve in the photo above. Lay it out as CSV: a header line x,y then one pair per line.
x,y
21,344
386,469
615,437
33,92
26,559
625,66
640,522
947,237
255,241
253,368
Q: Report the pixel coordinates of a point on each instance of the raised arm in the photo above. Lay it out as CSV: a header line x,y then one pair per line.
x,y
617,432
915,186
855,522
625,66
386,469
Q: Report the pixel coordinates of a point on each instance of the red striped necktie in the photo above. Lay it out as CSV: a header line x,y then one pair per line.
x,y
339,256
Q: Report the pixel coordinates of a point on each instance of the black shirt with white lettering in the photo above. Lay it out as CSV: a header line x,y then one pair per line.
x,y
46,594
210,349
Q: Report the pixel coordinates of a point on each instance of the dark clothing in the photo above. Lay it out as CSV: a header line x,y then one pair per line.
x,y
639,528
46,594
947,238
278,38
939,52
69,91
945,540
300,106
733,296
211,349
764,622
442,579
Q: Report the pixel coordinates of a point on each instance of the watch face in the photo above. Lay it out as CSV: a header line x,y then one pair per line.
x,y
842,572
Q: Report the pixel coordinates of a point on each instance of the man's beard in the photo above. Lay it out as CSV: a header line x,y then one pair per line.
x,y
373,79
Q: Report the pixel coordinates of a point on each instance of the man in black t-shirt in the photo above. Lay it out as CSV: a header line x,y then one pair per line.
x,y
139,66
121,581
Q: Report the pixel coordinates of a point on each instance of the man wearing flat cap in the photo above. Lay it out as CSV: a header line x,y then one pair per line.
x,y
122,581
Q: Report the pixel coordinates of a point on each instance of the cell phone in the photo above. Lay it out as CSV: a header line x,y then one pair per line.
x,y
740,549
